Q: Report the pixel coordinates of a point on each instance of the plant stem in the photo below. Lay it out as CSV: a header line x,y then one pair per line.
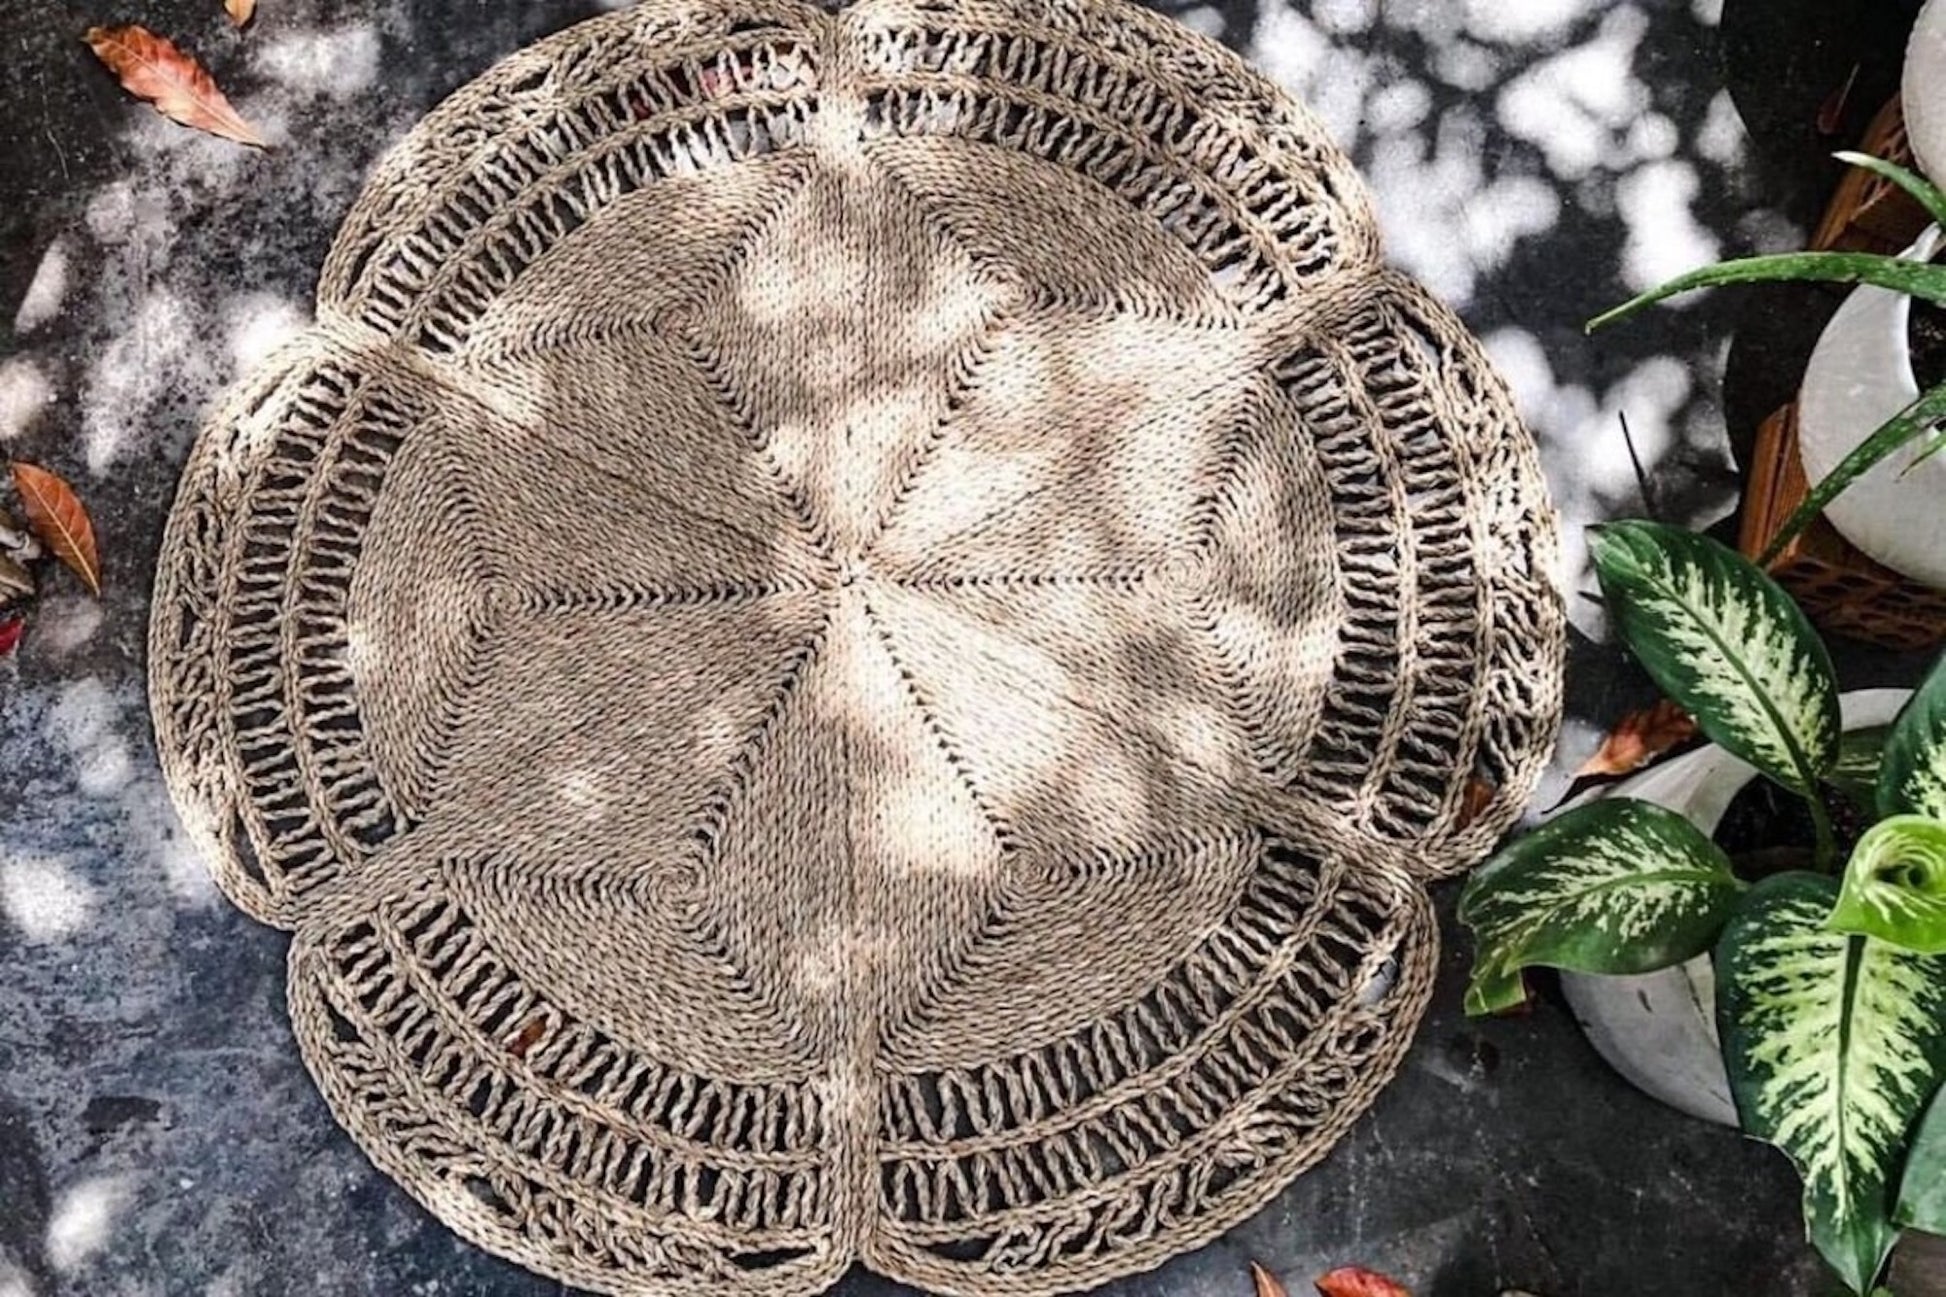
x,y
1824,854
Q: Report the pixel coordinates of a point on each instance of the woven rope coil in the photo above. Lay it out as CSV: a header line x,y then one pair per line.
x,y
853,638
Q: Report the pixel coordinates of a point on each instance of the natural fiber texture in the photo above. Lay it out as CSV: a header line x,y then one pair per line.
x,y
853,638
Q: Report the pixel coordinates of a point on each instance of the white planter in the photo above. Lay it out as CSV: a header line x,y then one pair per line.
x,y
1924,92
1659,1029
1860,375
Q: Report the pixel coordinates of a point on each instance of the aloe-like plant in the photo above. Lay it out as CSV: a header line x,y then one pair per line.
x,y
1920,279
1831,999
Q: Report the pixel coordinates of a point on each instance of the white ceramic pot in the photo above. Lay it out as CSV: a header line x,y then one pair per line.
x,y
1659,1029
1860,375
1923,95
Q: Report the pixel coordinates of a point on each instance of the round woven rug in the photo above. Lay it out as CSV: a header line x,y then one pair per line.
x,y
852,639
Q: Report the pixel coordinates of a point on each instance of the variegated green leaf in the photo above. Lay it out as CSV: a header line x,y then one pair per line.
x,y
1726,643
1834,1044
1918,278
1895,885
1912,775
1616,886
1917,185
1855,773
1922,417
1922,1193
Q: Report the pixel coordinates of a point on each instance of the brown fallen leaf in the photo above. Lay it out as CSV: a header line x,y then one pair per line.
x,y
1268,1284
1831,113
524,1039
1354,1281
152,68
240,11
59,518
1478,796
1639,738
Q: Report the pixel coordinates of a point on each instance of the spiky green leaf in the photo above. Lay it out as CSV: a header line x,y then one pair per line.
x,y
1917,185
1834,1044
1924,413
1912,775
1726,643
1616,886
1922,1193
1918,278
1855,772
1895,885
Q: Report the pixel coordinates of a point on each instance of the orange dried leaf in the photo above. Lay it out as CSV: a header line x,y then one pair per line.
x,y
58,517
1352,1281
1639,738
1268,1284
525,1038
150,67
240,11
1478,796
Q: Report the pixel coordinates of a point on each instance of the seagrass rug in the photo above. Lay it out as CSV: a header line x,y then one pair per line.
x,y
852,639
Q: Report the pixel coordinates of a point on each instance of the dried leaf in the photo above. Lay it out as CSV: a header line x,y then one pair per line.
x,y
16,582
1352,1281
11,629
240,11
152,68
1268,1284
1478,796
1639,738
1831,113
58,518
529,1033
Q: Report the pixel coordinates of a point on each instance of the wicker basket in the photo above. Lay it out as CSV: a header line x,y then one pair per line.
x,y
1842,590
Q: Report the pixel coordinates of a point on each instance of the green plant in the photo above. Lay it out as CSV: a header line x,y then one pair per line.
x,y
1919,279
1831,980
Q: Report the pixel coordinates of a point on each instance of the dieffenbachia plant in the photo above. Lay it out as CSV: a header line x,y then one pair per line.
x,y
1831,980
1924,280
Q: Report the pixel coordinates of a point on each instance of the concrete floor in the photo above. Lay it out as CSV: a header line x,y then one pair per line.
x,y
1533,160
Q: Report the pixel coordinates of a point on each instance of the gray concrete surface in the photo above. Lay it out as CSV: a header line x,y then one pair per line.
x,y
1534,160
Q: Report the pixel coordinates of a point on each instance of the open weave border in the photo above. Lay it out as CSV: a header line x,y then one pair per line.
x,y
451,985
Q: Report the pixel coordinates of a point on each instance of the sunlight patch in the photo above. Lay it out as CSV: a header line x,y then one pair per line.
x,y
341,64
1578,106
263,323
43,899
82,1216
1509,22
47,290
1664,237
24,393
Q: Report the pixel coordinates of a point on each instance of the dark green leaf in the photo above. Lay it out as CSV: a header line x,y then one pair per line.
x,y
1855,773
1912,775
1922,1194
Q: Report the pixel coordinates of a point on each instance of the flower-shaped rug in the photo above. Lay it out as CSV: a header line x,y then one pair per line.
x,y
852,639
